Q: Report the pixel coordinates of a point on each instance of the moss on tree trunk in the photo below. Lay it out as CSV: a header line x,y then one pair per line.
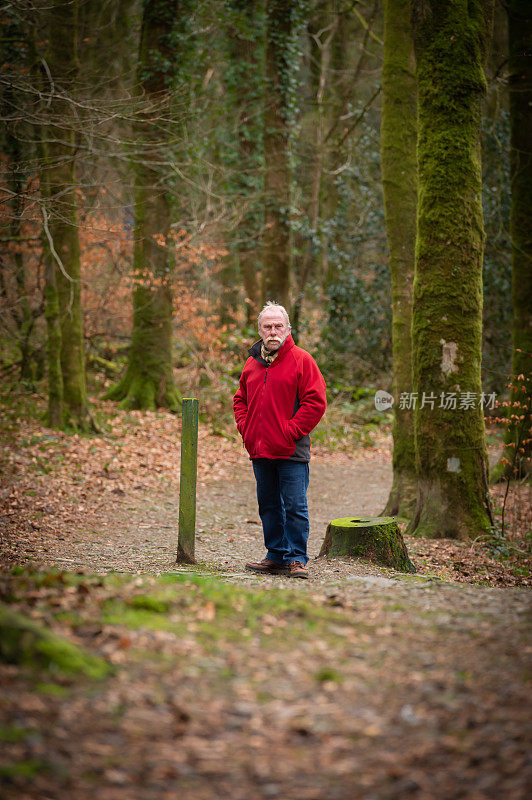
x,y
399,180
62,227
377,539
451,459
148,381
520,88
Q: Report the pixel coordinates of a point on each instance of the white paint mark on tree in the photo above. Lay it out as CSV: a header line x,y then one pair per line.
x,y
448,358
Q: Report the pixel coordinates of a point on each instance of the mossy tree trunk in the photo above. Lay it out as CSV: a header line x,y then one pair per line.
x,y
279,101
399,180
61,227
451,459
148,382
520,88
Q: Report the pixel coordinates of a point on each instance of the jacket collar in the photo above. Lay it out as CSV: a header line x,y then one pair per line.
x,y
287,345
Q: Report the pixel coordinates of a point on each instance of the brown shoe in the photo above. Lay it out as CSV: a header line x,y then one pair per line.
x,y
267,567
298,570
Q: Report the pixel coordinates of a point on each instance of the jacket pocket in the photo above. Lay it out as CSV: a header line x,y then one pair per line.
x,y
286,433
284,444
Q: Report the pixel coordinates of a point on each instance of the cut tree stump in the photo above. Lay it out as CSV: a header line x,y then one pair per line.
x,y
377,539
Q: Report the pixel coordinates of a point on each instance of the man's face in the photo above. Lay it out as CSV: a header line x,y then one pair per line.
x,y
273,329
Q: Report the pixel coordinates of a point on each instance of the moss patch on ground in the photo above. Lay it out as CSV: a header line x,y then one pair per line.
x,y
214,610
23,641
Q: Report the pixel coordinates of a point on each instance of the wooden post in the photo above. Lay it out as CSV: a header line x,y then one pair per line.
x,y
187,484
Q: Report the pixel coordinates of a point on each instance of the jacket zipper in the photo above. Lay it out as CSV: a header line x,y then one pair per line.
x,y
259,443
263,383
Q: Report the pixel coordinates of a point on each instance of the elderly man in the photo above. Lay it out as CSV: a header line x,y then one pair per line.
x,y
280,399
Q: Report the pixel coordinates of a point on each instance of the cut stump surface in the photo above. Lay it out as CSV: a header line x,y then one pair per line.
x,y
377,539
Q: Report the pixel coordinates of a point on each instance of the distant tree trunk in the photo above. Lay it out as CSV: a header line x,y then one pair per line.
x,y
51,298
451,458
62,229
399,180
243,80
22,311
322,31
278,118
148,382
53,341
343,89
520,86
17,154
347,87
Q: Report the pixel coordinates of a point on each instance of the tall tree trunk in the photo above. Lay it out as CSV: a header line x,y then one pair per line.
x,y
244,84
62,228
451,458
520,86
278,121
347,85
53,340
399,181
22,311
342,91
322,31
148,382
51,298
17,153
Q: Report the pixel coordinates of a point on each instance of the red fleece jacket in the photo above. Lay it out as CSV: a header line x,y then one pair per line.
x,y
277,406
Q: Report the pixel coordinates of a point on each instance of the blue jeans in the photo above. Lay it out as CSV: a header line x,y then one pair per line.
x,y
282,495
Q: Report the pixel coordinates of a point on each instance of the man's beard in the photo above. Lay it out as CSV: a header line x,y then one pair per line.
x,y
273,343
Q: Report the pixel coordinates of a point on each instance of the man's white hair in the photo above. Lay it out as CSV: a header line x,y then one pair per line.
x,y
271,304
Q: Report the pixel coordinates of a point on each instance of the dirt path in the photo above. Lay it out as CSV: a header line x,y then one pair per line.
x,y
138,531
134,528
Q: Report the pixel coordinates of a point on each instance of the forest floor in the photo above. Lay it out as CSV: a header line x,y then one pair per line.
x,y
360,682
